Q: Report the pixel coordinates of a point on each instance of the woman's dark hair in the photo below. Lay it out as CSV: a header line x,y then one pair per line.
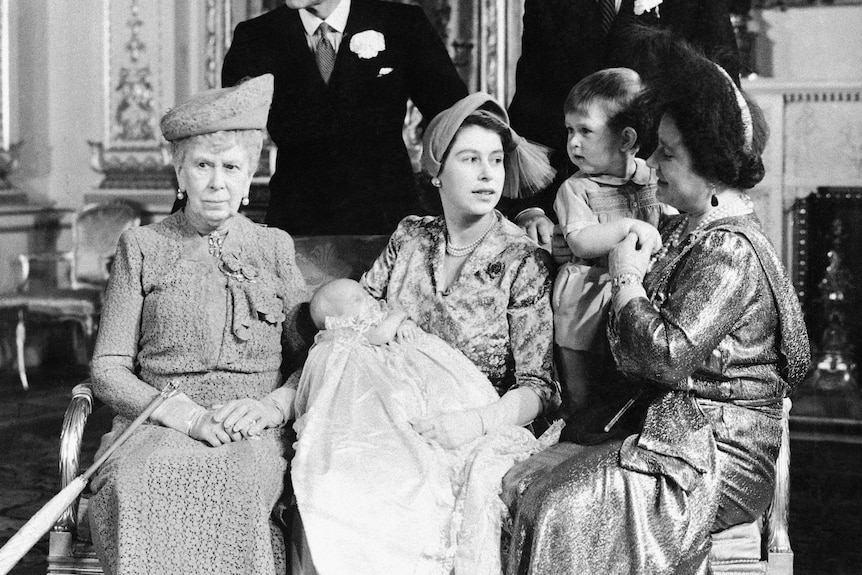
x,y
702,100
429,195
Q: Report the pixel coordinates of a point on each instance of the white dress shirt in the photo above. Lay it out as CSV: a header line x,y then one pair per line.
x,y
337,22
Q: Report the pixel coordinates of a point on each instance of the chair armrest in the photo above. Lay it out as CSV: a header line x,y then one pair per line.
x,y
778,539
71,436
25,261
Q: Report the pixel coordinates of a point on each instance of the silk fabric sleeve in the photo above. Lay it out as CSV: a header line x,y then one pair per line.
x,y
530,317
707,296
376,279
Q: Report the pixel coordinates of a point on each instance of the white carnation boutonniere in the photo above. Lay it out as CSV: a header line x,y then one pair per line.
x,y
367,44
642,6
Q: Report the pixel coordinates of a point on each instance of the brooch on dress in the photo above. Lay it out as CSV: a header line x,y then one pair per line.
x,y
231,265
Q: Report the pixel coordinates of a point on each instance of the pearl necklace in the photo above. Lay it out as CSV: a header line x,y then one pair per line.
x,y
460,252
734,206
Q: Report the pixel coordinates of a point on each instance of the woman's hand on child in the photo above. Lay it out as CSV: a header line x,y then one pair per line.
x,y
451,430
628,257
648,236
407,331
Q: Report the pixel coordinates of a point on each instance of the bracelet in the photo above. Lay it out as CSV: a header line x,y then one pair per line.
x,y
535,210
624,279
193,419
278,408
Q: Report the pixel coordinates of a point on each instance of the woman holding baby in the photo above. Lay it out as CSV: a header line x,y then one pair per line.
x,y
433,415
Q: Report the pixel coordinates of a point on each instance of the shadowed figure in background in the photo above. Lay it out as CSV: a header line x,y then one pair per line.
x,y
564,41
344,70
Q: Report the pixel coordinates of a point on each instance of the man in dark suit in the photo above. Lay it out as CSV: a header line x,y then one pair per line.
x,y
338,109
563,41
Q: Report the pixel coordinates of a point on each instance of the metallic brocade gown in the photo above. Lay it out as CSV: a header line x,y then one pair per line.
x,y
717,346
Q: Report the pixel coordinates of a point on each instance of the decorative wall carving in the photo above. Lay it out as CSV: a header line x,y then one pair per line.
x,y
161,50
817,117
8,150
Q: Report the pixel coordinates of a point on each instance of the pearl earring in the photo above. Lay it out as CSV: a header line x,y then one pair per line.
x,y
436,182
180,194
245,201
714,201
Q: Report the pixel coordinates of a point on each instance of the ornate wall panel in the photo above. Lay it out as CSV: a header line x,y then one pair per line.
x,y
157,52
831,125
138,85
8,149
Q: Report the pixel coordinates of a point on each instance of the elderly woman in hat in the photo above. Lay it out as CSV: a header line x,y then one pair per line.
x,y
469,275
205,299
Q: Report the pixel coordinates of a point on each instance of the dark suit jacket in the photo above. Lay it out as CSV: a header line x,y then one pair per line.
x,y
342,166
562,43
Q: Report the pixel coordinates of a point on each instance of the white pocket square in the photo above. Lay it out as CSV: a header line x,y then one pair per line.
x,y
383,71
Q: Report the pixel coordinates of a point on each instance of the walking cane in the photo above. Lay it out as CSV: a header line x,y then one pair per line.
x,y
40,523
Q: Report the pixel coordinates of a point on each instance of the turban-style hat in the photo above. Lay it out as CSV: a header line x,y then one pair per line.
x,y
241,107
527,167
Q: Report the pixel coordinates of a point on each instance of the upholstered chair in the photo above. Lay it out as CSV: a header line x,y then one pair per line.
x,y
95,232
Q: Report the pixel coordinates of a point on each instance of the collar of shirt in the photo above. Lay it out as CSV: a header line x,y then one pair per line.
x,y
337,21
640,175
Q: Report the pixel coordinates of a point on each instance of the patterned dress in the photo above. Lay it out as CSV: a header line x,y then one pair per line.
x,y
497,312
717,345
164,502
582,290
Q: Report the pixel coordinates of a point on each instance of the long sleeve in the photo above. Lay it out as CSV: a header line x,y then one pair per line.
x,y
245,57
376,279
113,365
530,317
710,296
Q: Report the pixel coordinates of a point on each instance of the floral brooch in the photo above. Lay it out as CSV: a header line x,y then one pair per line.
x,y
231,265
367,44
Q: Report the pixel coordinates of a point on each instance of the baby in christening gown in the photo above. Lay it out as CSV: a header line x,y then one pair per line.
x,y
374,496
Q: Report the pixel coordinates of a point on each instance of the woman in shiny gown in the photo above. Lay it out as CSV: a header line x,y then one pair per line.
x,y
205,299
712,333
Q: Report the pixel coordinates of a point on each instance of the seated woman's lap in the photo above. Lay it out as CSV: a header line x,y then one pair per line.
x,y
614,512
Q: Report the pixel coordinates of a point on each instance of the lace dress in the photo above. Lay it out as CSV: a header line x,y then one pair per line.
x,y
164,502
374,496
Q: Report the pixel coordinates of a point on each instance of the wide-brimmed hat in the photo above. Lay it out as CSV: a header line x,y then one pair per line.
x,y
241,107
527,167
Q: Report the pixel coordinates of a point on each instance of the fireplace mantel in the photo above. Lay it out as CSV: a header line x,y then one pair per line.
x,y
815,141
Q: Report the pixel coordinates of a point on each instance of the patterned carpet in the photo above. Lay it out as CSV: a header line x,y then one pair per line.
x,y
825,504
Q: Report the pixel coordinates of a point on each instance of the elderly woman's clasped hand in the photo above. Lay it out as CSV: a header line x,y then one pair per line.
x,y
236,420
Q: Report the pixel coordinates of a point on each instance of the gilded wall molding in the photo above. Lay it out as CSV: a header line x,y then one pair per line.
x,y
137,67
8,149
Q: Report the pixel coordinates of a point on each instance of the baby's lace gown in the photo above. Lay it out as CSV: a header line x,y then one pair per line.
x,y
373,495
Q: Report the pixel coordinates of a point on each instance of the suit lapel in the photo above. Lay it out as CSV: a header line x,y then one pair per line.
x,y
349,68
581,29
296,46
